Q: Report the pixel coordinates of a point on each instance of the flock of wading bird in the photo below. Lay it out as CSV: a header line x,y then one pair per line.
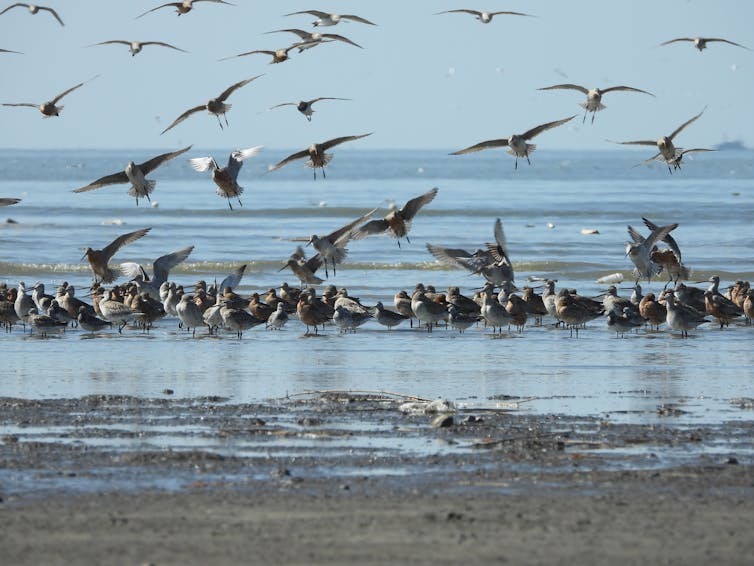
x,y
148,298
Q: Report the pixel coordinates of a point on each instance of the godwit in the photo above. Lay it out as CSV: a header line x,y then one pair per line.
x,y
494,314
304,268
624,322
427,311
23,303
48,109
464,304
115,311
98,259
226,178
316,154
325,19
667,151
183,7
239,320
260,309
134,174
333,246
484,17
160,270
190,314
34,9
398,221
89,322
461,321
44,323
311,311
682,317
348,320
576,311
670,258
215,106
654,311
386,317
305,106
701,42
309,39
135,47
516,143
402,303
640,251
593,102
41,300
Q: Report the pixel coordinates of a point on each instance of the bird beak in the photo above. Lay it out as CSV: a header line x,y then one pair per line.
x,y
282,268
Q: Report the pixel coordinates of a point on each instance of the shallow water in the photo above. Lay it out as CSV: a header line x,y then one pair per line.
x,y
712,198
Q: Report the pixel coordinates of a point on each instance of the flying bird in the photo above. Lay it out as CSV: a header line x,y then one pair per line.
x,y
484,17
593,102
278,55
34,9
305,106
397,222
183,7
640,250
226,178
215,106
160,270
333,246
303,268
667,151
517,142
135,47
48,109
309,40
98,259
701,42
325,19
135,174
316,154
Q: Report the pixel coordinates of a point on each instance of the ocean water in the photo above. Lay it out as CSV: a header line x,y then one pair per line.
x,y
543,207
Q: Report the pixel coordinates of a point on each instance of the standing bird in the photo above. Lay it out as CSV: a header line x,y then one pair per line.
x,y
316,154
226,178
215,106
517,142
398,221
593,102
333,246
134,174
34,9
325,19
135,47
48,109
309,40
682,317
667,151
640,251
183,7
701,42
305,106
98,259
484,17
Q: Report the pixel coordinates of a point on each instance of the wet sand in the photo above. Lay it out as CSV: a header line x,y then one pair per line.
x,y
99,479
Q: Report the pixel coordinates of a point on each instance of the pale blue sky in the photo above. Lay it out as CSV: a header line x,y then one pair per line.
x,y
421,81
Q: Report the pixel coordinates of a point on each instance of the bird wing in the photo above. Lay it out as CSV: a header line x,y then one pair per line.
x,y
635,236
54,13
548,126
284,104
203,163
313,100
626,88
232,280
29,104
287,160
462,11
640,142
236,158
668,239
502,244
110,250
659,234
510,14
112,42
356,19
371,227
62,94
456,257
264,51
337,37
162,265
335,141
726,41
314,263
686,123
482,145
568,86
299,32
131,270
163,44
312,12
695,149
16,5
228,91
114,179
176,4
676,40
183,116
155,162
341,236
410,209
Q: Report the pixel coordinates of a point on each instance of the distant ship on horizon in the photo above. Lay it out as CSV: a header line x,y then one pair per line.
x,y
734,145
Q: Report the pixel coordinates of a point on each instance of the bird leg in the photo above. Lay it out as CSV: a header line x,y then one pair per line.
x,y
230,205
239,202
593,115
219,122
515,164
527,158
324,176
584,118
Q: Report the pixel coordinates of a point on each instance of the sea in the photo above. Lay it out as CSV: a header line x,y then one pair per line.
x,y
565,217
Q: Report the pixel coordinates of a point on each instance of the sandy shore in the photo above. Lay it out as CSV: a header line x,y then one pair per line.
x,y
543,497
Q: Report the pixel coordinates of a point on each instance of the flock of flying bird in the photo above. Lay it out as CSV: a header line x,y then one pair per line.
x,y
147,298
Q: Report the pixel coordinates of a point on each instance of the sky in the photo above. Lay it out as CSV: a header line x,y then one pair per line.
x,y
422,79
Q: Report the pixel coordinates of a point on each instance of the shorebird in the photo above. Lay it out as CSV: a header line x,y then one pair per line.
x,y
461,321
48,109
23,303
183,7
215,106
682,317
484,17
333,246
279,318
723,309
44,323
226,178
89,322
516,143
316,154
40,298
134,174
305,106
34,9
325,19
304,269
625,321
311,311
494,314
701,42
640,251
9,201
309,39
160,270
428,311
593,102
115,311
98,259
402,303
189,313
348,320
575,311
397,222
386,317
669,258
654,311
492,263
135,47
667,151
278,55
